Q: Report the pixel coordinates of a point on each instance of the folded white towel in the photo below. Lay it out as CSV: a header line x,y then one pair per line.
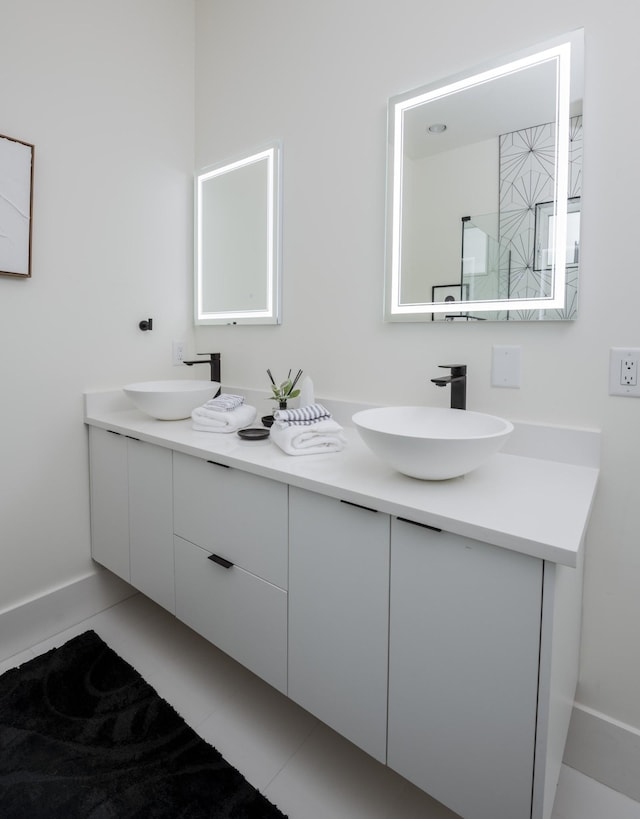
x,y
225,401
323,436
212,420
307,415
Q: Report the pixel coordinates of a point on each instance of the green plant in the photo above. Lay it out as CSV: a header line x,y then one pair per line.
x,y
286,390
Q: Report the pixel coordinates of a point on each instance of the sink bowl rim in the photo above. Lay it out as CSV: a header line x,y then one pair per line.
x,y
170,386
367,419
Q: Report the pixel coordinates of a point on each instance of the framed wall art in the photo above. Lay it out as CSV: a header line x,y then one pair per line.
x,y
16,206
544,233
452,293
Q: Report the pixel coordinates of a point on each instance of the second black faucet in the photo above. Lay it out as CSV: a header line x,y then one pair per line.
x,y
213,361
458,381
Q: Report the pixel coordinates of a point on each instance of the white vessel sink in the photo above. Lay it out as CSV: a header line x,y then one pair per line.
x,y
170,400
431,443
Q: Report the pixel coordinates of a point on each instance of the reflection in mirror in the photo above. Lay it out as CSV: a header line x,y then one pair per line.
x,y
237,270
484,190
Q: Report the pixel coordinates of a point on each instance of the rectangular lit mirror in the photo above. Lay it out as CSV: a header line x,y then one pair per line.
x,y
237,237
484,191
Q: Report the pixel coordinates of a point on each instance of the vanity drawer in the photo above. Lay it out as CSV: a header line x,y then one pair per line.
x,y
243,615
240,516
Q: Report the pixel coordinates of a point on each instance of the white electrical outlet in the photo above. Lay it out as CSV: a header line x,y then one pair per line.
x,y
623,371
178,353
629,371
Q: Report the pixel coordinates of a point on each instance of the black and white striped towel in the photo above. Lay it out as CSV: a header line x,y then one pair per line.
x,y
303,416
225,402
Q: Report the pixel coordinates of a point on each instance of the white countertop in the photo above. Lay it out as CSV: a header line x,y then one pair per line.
x,y
538,506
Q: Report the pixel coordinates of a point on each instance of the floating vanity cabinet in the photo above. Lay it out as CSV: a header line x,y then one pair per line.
x,y
452,660
338,616
463,670
131,512
231,562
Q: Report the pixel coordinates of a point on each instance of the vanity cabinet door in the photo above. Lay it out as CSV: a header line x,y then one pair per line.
x,y
109,490
339,615
151,521
243,615
463,674
132,512
239,516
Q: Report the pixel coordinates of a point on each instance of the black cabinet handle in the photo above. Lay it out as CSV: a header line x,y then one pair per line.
x,y
215,463
424,525
358,505
123,435
221,561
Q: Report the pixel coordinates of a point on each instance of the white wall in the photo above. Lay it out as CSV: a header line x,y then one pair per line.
x,y
444,188
105,92
317,75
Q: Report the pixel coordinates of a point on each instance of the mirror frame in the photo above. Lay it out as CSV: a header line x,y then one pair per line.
x,y
272,155
559,50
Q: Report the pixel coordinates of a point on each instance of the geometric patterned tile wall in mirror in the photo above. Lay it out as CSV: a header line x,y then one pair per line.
x,y
526,184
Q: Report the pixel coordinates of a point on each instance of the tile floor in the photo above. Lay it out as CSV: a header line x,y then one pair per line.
x,y
305,768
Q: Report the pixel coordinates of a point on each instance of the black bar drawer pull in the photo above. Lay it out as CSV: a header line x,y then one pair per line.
x,y
424,525
216,463
221,561
358,505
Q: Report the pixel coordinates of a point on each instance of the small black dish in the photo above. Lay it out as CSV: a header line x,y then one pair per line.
x,y
268,420
253,433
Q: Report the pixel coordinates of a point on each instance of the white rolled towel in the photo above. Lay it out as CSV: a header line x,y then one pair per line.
x,y
206,419
323,436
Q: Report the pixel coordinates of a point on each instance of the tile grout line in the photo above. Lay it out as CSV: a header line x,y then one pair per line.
x,y
293,754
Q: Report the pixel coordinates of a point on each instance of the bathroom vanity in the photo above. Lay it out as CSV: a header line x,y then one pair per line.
x,y
434,624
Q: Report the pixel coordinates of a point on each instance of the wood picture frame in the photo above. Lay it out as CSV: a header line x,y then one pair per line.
x,y
16,206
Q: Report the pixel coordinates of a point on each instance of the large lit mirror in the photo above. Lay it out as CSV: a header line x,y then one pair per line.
x,y
484,191
237,227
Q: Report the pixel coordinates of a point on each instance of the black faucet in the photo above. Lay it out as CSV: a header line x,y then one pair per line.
x,y
458,381
213,361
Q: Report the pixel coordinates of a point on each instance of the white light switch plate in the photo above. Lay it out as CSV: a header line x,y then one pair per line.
x,y
505,366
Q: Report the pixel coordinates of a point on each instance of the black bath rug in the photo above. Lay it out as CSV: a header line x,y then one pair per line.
x,y
83,736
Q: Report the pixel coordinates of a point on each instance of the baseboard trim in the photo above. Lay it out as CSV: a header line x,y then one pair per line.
x,y
29,623
604,749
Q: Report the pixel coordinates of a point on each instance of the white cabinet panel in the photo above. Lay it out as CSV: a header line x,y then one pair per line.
x,y
338,616
239,516
109,501
151,522
131,512
243,615
463,675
